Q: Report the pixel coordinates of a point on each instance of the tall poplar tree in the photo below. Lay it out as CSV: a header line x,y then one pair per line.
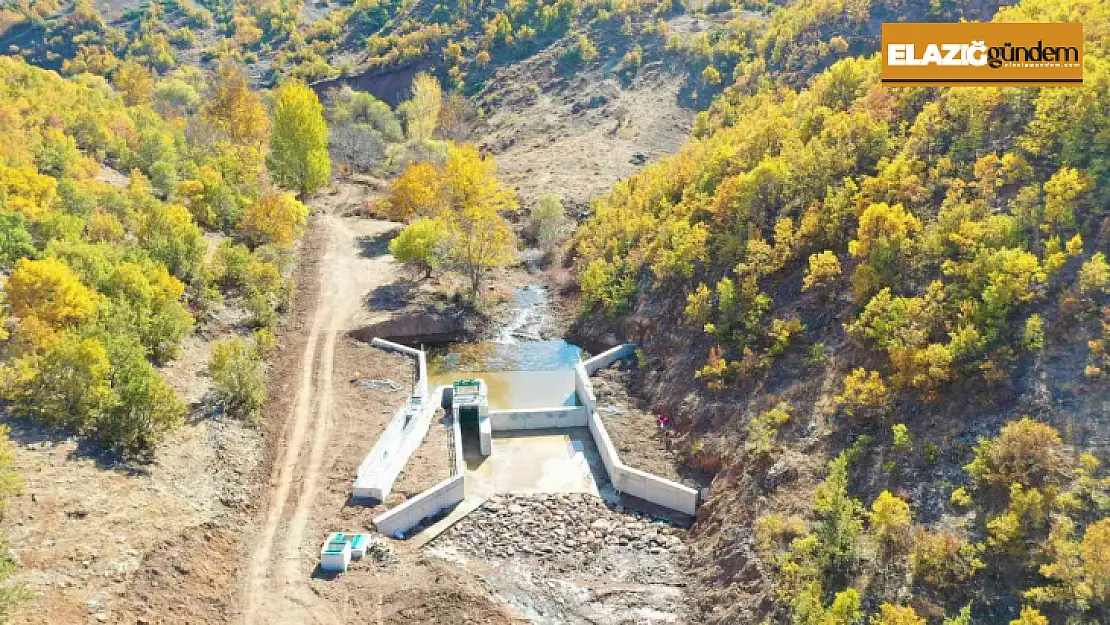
x,y
299,144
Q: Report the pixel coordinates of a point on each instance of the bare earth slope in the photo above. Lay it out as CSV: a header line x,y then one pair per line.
x,y
575,133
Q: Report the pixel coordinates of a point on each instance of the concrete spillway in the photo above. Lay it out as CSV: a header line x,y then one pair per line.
x,y
523,465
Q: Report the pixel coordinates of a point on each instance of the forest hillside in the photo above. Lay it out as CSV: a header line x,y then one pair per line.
x,y
881,318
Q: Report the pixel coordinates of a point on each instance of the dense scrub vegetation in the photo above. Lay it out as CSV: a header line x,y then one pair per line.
x,y
741,43
104,279
942,240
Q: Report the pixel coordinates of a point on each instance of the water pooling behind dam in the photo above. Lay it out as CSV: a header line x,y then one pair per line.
x,y
521,369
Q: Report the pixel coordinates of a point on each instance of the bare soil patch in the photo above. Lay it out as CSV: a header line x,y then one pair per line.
x,y
574,135
430,464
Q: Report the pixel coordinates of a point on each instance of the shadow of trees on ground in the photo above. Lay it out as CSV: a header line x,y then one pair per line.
x,y
373,246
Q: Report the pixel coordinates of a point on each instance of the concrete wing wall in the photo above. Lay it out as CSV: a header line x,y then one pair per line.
x,y
607,357
456,433
626,479
402,436
584,389
447,493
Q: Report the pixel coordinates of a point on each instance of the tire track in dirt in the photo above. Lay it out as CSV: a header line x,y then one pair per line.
x,y
277,591
296,425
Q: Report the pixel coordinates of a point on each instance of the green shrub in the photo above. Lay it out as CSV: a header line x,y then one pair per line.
x,y
942,560
238,376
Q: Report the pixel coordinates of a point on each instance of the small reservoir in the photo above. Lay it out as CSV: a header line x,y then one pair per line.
x,y
521,369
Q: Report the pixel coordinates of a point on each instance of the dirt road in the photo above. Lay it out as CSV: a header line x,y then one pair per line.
x,y
275,589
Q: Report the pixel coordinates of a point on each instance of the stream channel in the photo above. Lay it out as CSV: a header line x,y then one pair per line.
x,y
521,369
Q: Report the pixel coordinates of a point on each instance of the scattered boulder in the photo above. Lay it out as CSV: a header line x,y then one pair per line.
x,y
780,473
564,529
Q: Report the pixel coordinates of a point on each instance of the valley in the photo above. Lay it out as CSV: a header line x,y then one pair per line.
x,y
863,329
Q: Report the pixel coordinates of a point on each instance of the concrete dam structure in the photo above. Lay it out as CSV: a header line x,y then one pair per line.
x,y
549,449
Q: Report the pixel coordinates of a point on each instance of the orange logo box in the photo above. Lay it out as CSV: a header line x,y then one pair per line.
x,y
982,54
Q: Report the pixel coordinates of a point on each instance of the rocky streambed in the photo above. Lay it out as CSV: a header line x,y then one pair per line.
x,y
561,527
573,558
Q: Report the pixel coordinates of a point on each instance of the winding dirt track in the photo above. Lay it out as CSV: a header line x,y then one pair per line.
x,y
276,591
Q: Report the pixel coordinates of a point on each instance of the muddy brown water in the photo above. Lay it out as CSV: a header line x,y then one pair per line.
x,y
521,368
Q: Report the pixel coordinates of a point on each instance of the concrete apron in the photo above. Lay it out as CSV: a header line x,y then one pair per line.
x,y
563,460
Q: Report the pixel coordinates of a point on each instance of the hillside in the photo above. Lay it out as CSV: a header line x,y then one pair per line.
x,y
852,297
879,318
138,310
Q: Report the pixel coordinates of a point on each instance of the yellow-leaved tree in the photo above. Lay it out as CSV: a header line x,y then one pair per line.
x,y
417,191
47,297
479,239
299,144
464,230
420,245
896,615
275,219
237,110
422,111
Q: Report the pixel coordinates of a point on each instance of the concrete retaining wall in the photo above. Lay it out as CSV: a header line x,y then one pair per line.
x,y
418,354
405,432
537,418
657,490
626,479
605,447
447,493
456,431
584,389
607,357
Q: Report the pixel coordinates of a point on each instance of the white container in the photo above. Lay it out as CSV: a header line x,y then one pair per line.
x,y
335,556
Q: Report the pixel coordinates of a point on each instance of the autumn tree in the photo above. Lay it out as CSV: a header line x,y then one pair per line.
x,y
824,268
943,560
581,51
883,238
67,386
144,299
1094,275
896,615
1080,569
238,376
299,146
15,240
143,408
274,219
1026,452
423,109
890,520
864,393
236,109
418,191
47,297
479,239
421,244
169,234
548,221
136,83
1029,616
1065,193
